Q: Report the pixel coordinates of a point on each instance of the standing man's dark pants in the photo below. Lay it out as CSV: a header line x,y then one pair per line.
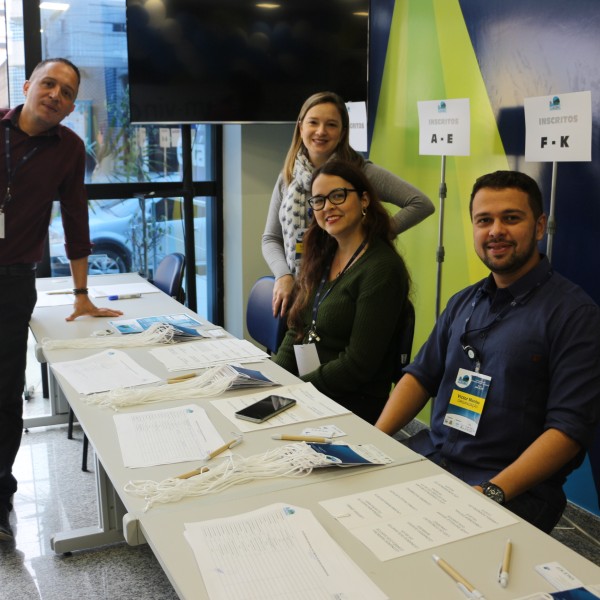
x,y
17,300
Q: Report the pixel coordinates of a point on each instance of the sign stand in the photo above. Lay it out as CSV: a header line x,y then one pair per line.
x,y
551,221
444,130
440,250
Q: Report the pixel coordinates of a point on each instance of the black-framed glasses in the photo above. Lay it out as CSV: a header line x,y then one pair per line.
x,y
337,196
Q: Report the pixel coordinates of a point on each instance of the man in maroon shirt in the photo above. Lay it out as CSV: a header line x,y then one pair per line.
x,y
40,161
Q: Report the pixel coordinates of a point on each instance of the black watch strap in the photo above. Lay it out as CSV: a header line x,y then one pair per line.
x,y
493,491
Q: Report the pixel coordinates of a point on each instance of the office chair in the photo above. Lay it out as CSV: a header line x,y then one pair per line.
x,y
264,328
169,276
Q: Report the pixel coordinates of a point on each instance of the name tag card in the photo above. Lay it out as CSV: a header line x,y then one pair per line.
x,y
307,358
445,127
558,128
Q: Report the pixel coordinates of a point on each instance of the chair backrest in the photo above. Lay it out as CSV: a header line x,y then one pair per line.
x,y
169,276
405,340
264,328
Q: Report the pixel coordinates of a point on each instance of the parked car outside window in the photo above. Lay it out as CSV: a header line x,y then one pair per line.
x,y
124,237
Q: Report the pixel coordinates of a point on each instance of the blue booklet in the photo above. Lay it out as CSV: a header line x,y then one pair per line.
x,y
184,324
350,455
250,378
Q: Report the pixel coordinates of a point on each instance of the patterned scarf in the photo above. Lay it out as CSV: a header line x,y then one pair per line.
x,y
293,210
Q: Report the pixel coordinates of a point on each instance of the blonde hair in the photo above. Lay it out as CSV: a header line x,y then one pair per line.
x,y
343,150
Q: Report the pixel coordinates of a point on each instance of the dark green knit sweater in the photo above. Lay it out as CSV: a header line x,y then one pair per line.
x,y
358,325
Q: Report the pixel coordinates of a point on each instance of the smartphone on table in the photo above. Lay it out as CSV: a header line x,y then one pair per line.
x,y
265,409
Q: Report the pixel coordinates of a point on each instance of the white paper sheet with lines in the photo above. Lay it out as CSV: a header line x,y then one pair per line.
x,y
197,355
279,551
408,517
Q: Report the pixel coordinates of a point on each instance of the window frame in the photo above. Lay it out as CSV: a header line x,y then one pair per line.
x,y
187,188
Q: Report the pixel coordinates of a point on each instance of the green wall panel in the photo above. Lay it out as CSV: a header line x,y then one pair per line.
x,y
430,57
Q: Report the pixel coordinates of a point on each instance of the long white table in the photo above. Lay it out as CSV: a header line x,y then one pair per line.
x,y
411,577
115,506
414,576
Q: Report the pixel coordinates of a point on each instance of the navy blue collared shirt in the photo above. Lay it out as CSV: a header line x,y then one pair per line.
x,y
543,355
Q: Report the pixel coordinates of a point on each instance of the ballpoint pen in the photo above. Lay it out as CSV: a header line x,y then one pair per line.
x,y
505,565
181,378
219,450
59,292
302,438
193,473
463,585
124,296
231,444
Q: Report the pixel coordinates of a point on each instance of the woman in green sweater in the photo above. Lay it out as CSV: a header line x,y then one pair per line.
x,y
349,295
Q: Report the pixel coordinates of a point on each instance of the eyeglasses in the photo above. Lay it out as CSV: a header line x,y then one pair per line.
x,y
337,196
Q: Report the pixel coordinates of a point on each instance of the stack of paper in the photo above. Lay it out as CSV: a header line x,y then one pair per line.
x,y
279,551
104,371
165,436
417,515
208,353
310,405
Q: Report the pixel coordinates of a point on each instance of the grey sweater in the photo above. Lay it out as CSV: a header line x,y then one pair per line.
x,y
388,187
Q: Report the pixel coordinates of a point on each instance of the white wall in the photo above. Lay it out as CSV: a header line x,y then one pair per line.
x,y
253,157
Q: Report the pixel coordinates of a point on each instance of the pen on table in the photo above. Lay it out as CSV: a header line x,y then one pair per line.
x,y
124,296
231,444
193,473
223,448
505,565
57,292
181,378
302,438
463,585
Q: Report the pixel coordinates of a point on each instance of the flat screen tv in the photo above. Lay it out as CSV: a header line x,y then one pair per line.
x,y
236,61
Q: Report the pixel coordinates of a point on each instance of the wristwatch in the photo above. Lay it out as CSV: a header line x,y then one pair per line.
x,y
491,490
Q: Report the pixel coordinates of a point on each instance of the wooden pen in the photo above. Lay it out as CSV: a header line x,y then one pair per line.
x,y
193,473
182,378
302,438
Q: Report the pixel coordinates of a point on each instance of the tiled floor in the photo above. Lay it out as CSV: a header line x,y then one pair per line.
x,y
55,495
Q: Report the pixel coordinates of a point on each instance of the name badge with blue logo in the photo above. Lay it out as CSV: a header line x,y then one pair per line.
x,y
467,401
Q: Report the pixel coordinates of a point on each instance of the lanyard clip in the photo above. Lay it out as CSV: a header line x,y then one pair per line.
x,y
313,336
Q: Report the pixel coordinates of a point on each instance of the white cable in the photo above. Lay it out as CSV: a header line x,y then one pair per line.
x,y
212,382
292,460
157,333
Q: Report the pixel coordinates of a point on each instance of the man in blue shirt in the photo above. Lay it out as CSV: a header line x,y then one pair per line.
x,y
513,362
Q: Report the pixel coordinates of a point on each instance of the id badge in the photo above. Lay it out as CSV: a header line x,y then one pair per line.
x,y
467,400
307,358
1,225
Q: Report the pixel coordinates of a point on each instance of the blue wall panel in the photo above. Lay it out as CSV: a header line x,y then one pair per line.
x,y
521,48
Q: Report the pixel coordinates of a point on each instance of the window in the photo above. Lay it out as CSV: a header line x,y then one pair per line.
x,y
127,165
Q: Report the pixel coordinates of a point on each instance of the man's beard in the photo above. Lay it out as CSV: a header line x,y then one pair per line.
x,y
512,264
